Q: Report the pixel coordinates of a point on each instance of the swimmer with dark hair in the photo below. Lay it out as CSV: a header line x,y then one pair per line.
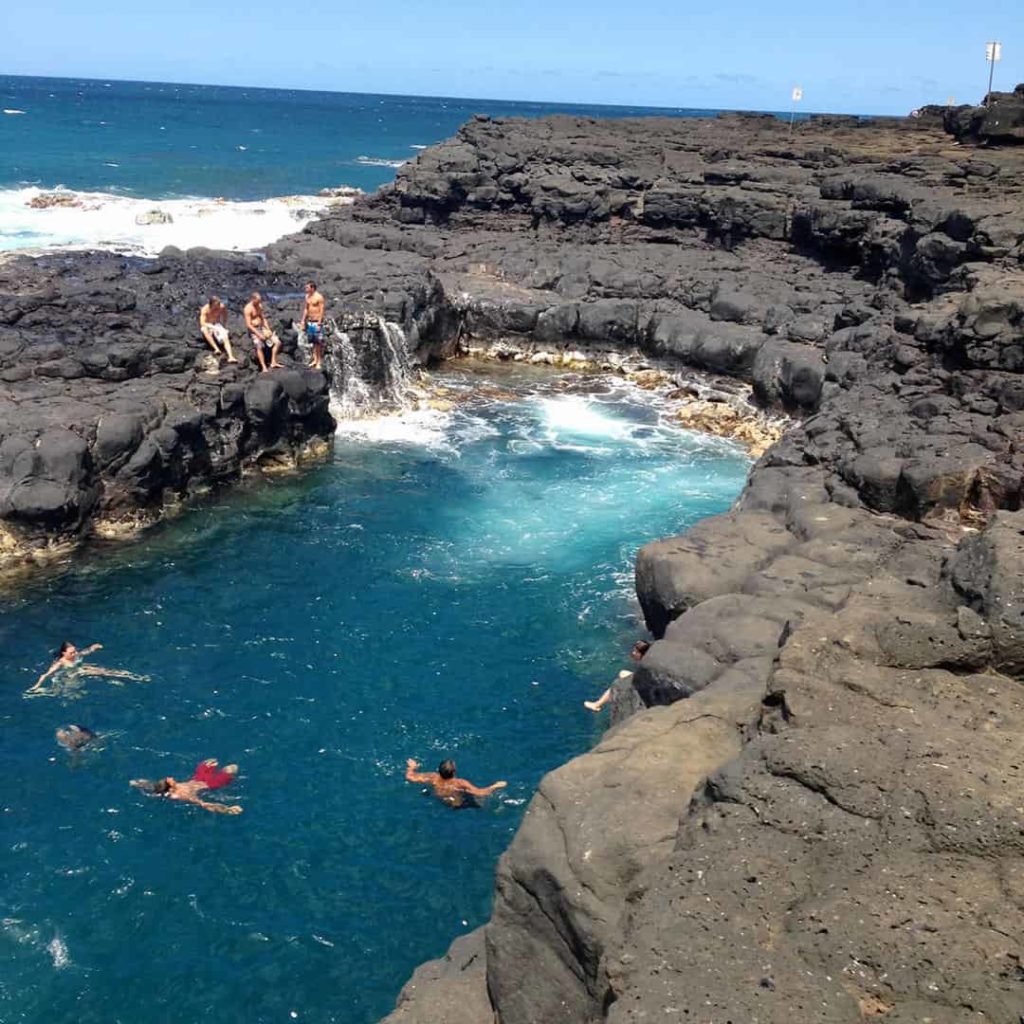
x,y
448,788
74,737
70,657
639,649
208,775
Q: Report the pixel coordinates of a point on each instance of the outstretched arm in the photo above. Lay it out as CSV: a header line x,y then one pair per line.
x,y
90,649
411,775
468,787
38,685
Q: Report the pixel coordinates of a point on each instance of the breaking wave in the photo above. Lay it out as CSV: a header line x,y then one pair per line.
x,y
37,219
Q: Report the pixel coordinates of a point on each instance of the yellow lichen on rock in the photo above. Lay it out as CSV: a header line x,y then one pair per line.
x,y
723,419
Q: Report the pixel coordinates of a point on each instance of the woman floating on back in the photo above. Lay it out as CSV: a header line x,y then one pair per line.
x,y
208,775
69,658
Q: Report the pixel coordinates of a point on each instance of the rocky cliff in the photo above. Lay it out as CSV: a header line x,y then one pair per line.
x,y
810,805
111,409
816,813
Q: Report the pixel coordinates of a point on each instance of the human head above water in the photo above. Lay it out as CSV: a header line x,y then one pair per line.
x,y
640,648
446,769
66,648
75,736
162,786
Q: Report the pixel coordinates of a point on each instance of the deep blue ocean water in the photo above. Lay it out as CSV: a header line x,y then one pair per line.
x,y
159,140
446,585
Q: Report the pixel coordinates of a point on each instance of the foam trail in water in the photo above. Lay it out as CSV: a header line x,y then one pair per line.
x,y
576,416
102,220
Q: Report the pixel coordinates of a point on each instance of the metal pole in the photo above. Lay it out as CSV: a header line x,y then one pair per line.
x,y
991,72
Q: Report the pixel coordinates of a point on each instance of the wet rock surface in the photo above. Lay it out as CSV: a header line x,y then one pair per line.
x,y
809,807
112,406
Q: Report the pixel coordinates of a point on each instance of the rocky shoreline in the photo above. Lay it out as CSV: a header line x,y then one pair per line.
x,y
809,806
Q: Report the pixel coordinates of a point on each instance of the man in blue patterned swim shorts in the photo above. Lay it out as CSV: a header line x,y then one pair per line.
x,y
313,323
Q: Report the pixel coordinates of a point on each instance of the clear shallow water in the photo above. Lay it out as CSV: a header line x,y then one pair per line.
x,y
457,596
155,141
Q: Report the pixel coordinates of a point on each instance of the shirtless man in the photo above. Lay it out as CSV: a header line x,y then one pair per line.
x,y
640,648
213,325
208,775
313,323
447,788
261,333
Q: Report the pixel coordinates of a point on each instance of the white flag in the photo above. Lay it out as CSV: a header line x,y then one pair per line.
x,y
993,52
798,94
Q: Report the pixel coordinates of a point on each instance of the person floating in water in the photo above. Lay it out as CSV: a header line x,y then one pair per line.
x,y
449,789
74,737
208,775
640,648
69,658
312,323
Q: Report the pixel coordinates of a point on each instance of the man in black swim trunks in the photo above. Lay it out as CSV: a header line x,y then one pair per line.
x,y
449,789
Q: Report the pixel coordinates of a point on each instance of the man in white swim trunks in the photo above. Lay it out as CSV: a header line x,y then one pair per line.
x,y
213,325
263,336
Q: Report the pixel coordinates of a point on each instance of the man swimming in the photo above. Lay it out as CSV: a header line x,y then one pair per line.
x,y
70,657
213,325
313,323
74,737
640,648
263,336
208,775
447,788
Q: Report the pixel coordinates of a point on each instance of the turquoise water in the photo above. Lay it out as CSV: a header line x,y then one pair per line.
x,y
161,140
454,584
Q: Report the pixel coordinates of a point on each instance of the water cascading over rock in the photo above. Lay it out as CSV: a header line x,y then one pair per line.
x,y
367,364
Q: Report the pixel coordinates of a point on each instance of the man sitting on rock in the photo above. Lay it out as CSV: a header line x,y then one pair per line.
x,y
263,337
640,648
213,324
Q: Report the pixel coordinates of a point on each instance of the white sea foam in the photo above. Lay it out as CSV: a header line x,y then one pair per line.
x,y
379,161
11,110
58,950
577,416
102,220
424,427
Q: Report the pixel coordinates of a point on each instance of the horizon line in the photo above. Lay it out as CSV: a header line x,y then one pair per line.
x,y
800,115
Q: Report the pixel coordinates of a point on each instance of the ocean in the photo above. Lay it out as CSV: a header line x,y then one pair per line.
x,y
448,585
232,167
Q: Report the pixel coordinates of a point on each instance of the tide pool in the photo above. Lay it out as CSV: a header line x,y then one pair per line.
x,y
451,584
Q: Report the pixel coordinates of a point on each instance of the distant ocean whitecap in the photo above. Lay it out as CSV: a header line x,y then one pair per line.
x,y
11,110
379,161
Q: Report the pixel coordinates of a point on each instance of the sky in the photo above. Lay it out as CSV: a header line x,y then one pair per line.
x,y
870,56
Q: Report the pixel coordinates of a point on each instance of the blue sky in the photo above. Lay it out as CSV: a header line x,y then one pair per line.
x,y
865,57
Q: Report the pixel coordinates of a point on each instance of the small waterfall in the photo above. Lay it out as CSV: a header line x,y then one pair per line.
x,y
367,363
